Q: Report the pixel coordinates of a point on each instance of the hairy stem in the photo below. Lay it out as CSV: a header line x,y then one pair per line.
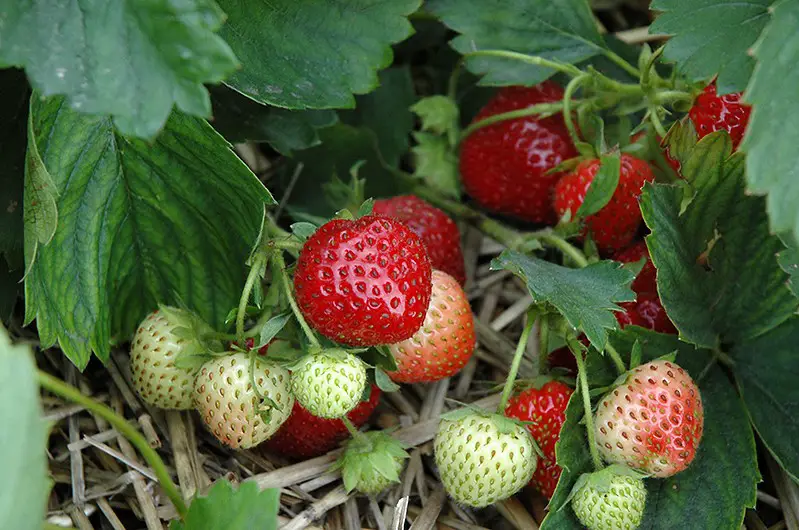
x,y
543,344
533,110
255,273
279,265
517,361
60,388
571,88
564,246
574,346
622,63
529,59
616,358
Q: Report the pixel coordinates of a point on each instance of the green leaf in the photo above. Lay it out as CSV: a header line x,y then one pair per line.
x,y
342,147
225,508
603,186
719,484
438,114
102,56
386,111
384,382
586,297
712,37
313,54
717,274
789,262
139,224
25,485
303,230
272,327
559,30
437,164
772,163
239,118
766,370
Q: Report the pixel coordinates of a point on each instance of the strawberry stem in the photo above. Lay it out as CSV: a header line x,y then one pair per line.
x,y
621,62
535,60
517,360
545,109
616,358
564,246
255,273
60,388
543,345
280,269
354,431
576,349
568,117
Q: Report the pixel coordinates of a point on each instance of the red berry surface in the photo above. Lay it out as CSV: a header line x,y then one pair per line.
x,y
304,435
711,112
646,311
653,421
439,233
614,226
504,166
364,282
545,407
446,340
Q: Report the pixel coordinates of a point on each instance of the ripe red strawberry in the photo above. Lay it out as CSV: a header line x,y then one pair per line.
x,y
711,113
438,232
504,166
653,421
445,341
646,311
546,408
615,225
304,435
364,282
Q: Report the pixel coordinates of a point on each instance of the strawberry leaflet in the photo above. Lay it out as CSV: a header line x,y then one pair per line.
x,y
586,297
717,273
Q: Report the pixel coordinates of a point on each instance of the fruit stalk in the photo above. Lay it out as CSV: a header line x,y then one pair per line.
x,y
543,344
279,265
574,346
616,358
564,246
545,109
58,387
517,361
567,69
252,277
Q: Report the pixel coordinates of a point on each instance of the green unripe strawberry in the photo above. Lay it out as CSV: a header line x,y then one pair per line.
x,y
611,499
371,462
483,458
329,384
161,362
242,401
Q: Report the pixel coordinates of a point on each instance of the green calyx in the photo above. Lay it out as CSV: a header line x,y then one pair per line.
x,y
613,498
371,462
192,330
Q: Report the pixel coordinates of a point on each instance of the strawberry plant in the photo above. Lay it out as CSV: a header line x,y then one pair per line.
x,y
392,263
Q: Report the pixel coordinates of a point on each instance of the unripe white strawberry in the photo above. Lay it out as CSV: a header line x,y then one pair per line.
x,y
483,458
329,384
608,500
242,401
161,362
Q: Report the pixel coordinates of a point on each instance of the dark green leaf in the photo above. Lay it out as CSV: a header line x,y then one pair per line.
x,y
386,111
239,118
342,147
789,262
767,369
225,508
138,224
716,487
272,327
131,60
586,297
560,30
603,186
314,54
717,274
25,483
712,37
772,162
14,96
